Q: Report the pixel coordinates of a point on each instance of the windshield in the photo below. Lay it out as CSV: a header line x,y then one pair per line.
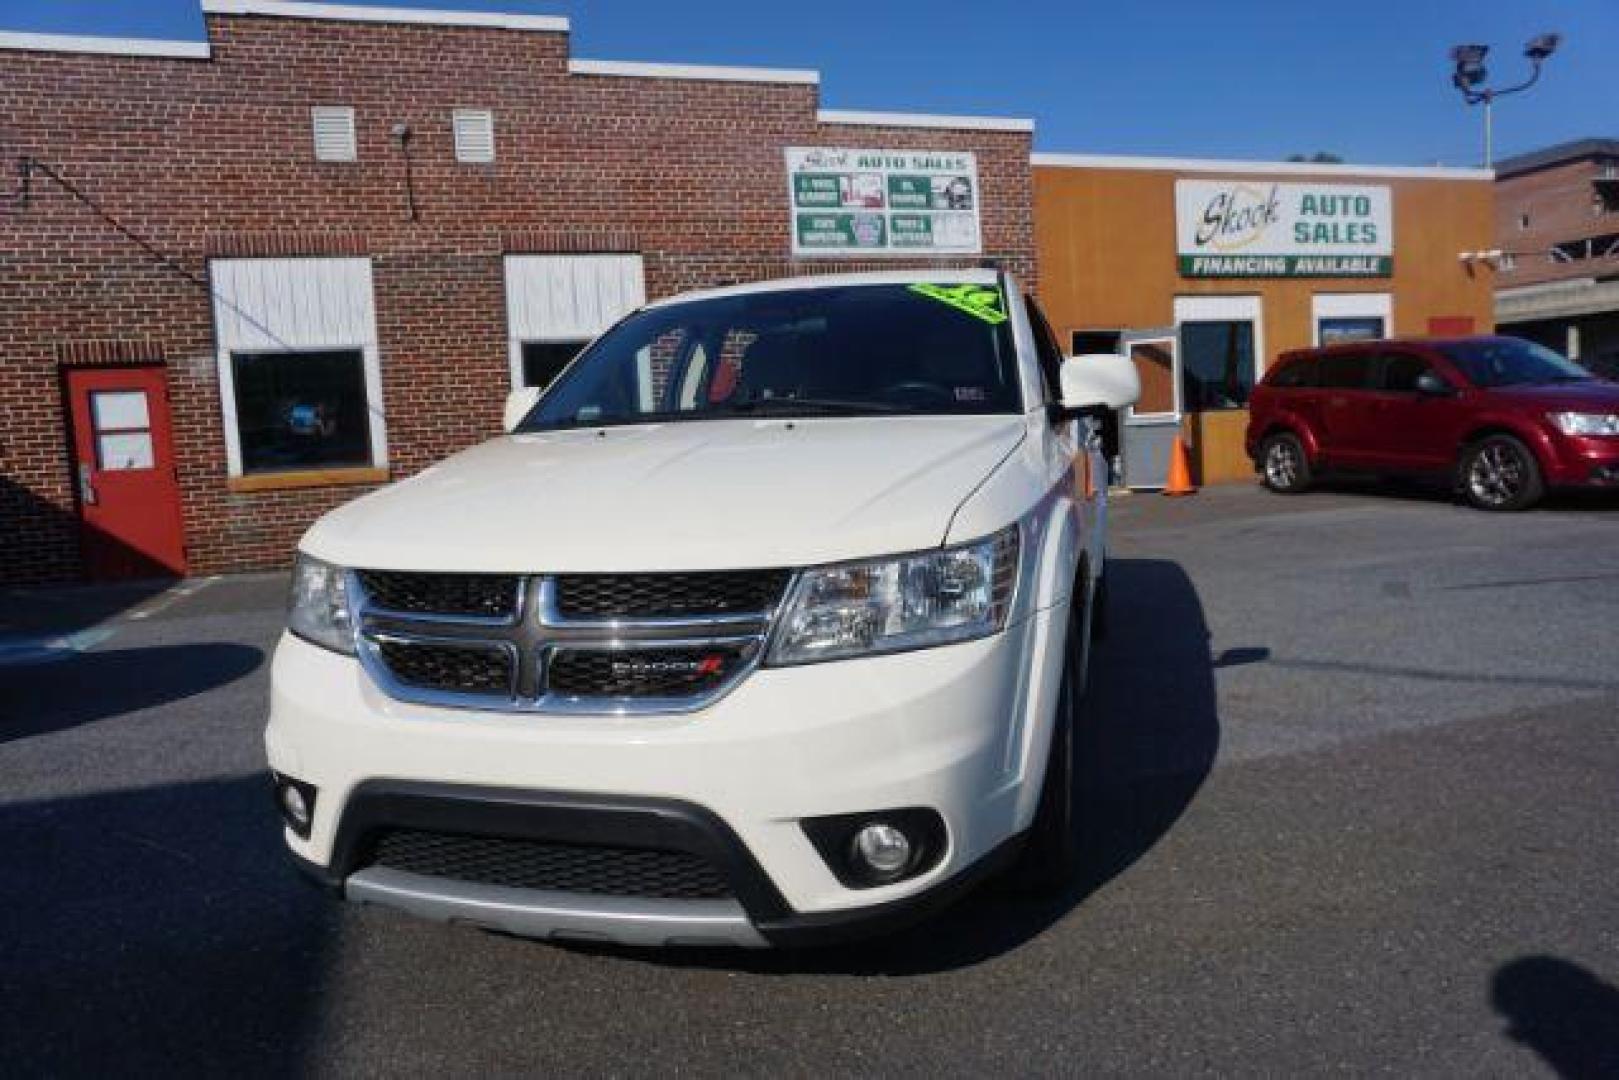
x,y
1511,362
834,351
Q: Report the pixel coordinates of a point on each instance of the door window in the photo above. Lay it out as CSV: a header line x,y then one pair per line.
x,y
1298,375
123,429
1048,351
1217,364
1155,366
1400,372
1348,371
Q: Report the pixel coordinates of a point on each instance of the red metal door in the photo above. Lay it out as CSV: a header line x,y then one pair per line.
x,y
129,497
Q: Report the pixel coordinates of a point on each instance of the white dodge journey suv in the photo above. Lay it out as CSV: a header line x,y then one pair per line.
x,y
765,624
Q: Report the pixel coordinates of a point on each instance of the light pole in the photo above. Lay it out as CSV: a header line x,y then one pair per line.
x,y
1470,75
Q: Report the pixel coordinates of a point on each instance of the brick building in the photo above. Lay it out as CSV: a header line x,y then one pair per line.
x,y
246,279
1557,227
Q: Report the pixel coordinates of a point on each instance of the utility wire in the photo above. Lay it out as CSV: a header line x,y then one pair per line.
x,y
30,165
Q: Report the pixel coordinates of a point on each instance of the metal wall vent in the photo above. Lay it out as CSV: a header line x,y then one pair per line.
x,y
474,136
334,132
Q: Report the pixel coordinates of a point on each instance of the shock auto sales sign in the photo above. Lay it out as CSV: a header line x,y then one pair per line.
x,y
1259,228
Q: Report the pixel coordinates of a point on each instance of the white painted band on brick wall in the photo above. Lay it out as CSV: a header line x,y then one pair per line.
x,y
112,46
636,69
356,13
1279,168
923,120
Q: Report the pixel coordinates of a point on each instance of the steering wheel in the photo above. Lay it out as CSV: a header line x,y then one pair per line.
x,y
917,388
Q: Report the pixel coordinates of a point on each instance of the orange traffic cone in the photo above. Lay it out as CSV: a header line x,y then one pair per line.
x,y
1180,471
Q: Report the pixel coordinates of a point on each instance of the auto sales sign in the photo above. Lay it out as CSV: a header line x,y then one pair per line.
x,y
1259,228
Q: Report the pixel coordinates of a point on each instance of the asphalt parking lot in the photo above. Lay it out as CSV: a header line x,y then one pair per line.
x,y
1353,806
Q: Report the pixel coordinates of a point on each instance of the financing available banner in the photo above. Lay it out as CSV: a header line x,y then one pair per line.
x,y
1257,228
883,202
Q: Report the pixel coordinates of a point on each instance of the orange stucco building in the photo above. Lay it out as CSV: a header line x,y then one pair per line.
x,y
1205,270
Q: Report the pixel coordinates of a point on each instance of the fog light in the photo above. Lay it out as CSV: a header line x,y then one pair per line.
x,y
884,850
872,848
296,801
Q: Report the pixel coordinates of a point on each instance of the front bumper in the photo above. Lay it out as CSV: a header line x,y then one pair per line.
x,y
1578,462
952,729
756,916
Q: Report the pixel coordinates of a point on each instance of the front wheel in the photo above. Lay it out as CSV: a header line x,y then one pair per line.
x,y
1051,854
1283,464
1501,473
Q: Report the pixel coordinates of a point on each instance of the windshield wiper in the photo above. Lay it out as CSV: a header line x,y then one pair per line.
x,y
826,406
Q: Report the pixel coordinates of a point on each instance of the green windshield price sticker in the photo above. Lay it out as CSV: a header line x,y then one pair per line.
x,y
978,301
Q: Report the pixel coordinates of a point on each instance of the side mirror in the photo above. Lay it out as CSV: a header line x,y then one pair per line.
x,y
1099,381
1431,385
519,403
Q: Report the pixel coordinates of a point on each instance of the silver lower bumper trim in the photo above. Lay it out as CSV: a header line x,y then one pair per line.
x,y
565,916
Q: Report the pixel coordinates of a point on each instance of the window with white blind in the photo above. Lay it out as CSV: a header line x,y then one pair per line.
x,y
334,132
300,376
474,136
557,303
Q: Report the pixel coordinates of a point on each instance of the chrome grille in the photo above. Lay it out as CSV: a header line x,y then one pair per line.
x,y
471,667
663,596
630,643
479,596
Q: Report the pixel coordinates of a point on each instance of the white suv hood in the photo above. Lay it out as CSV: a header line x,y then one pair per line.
x,y
697,495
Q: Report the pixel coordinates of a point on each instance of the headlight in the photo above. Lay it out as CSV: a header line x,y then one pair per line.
x,y
318,609
1586,423
906,602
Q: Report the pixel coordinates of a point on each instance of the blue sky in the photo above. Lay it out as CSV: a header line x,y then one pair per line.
x,y
1366,79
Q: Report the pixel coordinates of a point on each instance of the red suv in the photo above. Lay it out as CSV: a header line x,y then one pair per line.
x,y
1505,418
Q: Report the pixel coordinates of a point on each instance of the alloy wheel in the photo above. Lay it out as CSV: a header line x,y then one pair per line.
x,y
1282,464
1497,475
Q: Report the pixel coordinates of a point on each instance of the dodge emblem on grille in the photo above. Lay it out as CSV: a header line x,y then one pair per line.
x,y
640,669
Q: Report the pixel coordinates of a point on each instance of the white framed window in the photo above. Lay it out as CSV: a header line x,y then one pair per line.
x,y
1222,350
1361,316
556,304
1509,261
474,136
1523,221
333,127
300,380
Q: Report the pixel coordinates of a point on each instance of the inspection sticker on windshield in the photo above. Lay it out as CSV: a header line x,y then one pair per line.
x,y
979,301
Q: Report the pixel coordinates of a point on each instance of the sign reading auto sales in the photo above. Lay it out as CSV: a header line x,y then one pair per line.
x,y
1259,228
883,202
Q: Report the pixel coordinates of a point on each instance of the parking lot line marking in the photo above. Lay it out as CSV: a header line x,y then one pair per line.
x,y
21,651
170,597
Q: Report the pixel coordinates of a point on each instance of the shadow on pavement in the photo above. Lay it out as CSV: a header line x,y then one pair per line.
x,y
1438,492
1562,1012
36,699
63,609
157,931
1149,739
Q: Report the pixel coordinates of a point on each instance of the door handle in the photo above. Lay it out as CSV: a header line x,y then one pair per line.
x,y
87,490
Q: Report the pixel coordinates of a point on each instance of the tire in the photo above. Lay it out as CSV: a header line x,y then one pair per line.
x,y
1284,467
1050,859
1099,608
1500,473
